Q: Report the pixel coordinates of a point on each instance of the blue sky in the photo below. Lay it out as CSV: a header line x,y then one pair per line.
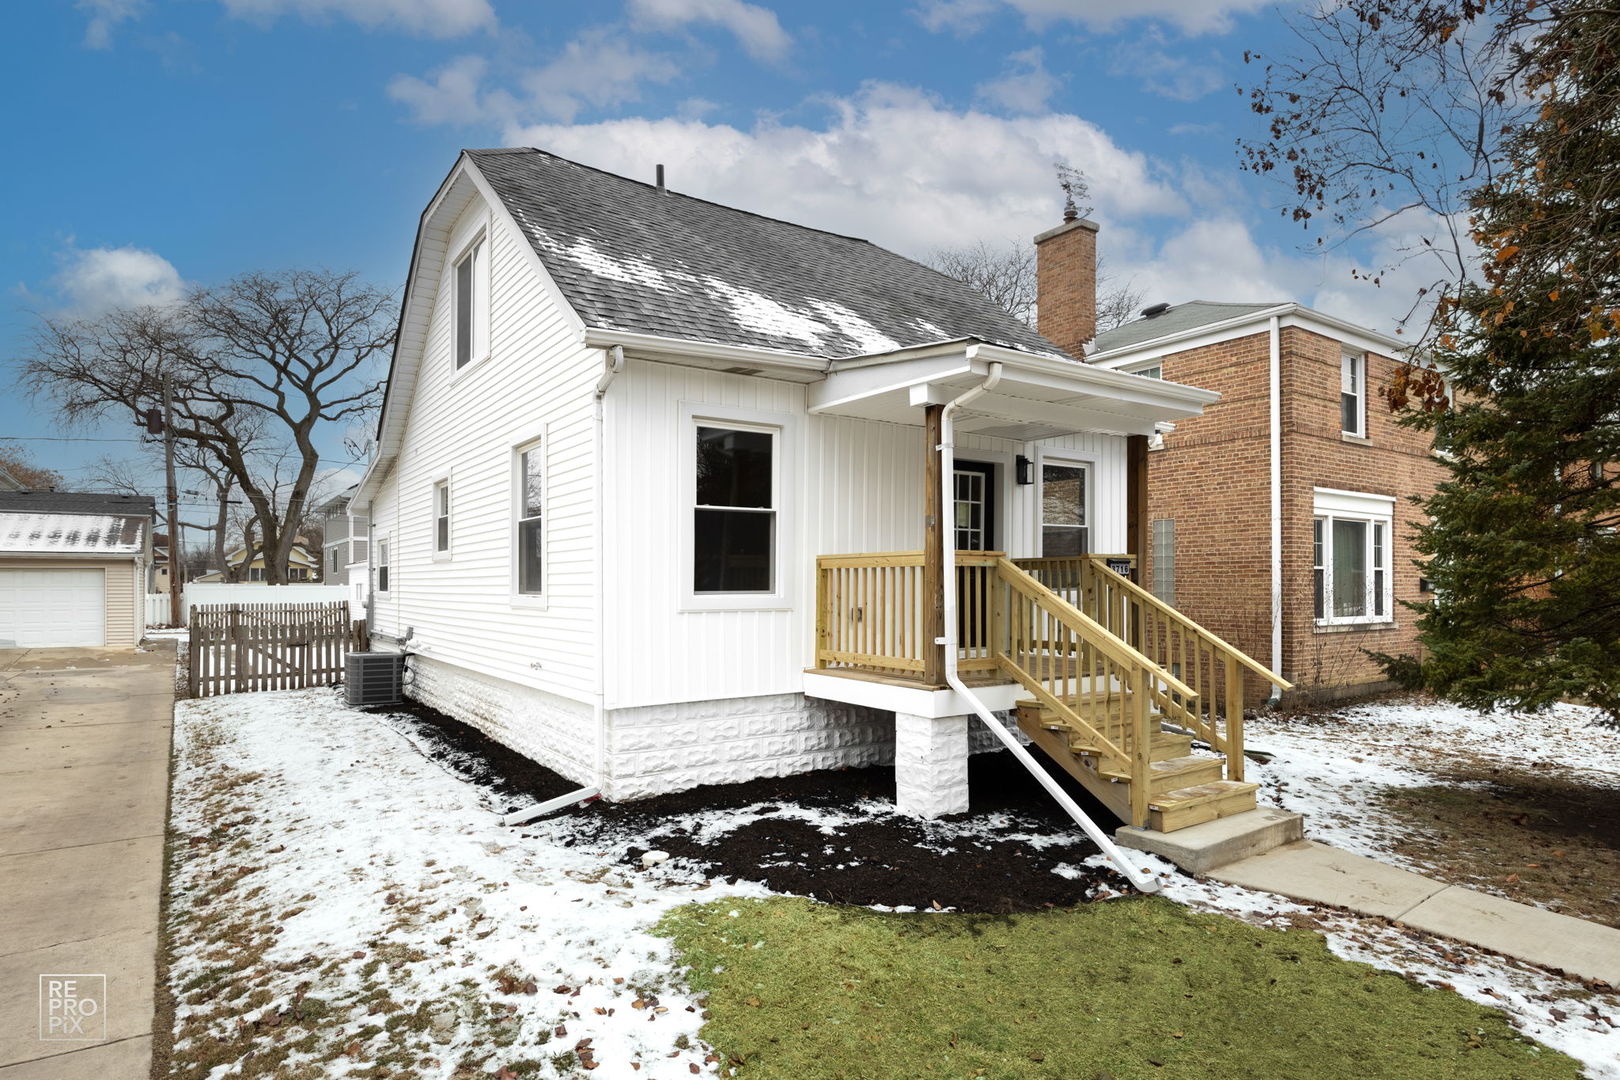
x,y
160,143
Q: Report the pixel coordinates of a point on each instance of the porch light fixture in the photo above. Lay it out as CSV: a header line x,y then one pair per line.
x,y
1024,469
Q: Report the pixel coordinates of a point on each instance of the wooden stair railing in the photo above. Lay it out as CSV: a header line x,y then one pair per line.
x,y
1097,687
1213,669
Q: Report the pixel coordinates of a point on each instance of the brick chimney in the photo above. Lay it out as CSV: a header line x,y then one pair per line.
x,y
1066,284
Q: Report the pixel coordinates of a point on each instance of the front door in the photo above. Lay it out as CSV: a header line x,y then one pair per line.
x,y
975,505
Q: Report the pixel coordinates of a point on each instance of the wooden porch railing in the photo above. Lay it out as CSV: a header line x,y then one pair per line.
x,y
869,612
1174,643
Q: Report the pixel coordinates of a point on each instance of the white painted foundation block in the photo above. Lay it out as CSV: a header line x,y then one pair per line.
x,y
930,764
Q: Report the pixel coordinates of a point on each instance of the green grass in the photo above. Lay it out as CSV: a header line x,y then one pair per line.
x,y
1128,989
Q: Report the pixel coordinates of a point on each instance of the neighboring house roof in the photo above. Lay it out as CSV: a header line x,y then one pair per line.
x,y
338,502
9,482
1141,340
629,257
71,534
298,554
69,502
1176,319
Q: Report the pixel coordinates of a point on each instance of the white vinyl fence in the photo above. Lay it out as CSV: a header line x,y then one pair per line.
x,y
249,592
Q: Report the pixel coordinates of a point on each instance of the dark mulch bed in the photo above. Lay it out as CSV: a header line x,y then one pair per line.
x,y
967,862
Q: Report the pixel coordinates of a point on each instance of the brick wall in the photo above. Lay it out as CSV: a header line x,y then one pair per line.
x,y
1066,284
1213,478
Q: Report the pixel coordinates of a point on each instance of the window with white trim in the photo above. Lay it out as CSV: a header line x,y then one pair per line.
x,y
472,304
1353,393
441,518
1154,372
381,548
531,525
1351,537
1065,525
734,525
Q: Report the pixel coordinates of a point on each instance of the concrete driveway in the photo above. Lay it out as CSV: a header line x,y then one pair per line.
x,y
84,768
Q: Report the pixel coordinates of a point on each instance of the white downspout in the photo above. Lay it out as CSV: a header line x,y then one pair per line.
x,y
1274,402
1147,883
612,365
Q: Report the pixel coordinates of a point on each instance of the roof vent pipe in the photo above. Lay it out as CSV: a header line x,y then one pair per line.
x,y
661,190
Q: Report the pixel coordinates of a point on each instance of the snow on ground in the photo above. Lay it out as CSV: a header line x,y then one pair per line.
x,y
397,851
411,867
1330,767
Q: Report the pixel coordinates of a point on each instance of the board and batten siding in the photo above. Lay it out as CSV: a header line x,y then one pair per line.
x,y
854,486
537,383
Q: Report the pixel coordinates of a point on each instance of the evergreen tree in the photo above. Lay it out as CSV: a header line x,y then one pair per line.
x,y
1522,547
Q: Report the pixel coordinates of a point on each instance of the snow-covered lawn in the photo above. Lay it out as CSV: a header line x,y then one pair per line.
x,y
1332,766
343,906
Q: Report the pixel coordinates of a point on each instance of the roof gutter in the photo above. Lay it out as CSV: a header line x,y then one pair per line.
x,y
1125,353
742,355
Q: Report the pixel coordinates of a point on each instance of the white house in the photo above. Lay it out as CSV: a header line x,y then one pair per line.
x,y
626,433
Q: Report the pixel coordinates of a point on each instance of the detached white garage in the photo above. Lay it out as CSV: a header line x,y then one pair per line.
x,y
72,573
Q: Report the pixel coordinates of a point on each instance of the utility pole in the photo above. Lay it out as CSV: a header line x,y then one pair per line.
x,y
174,505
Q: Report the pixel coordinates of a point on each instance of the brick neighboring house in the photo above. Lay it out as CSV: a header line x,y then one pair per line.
x,y
1330,464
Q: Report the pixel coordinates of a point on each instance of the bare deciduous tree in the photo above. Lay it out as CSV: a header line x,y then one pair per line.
x,y
258,368
1007,276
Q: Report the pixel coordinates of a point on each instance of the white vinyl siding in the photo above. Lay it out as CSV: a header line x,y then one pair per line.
x,y
464,425
120,617
851,486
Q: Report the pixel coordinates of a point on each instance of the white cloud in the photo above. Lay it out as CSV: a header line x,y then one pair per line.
x,y
1179,78
1026,87
431,18
599,68
889,164
100,279
1189,16
755,28
104,16
452,96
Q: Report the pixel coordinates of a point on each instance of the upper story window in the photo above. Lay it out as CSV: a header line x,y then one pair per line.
x,y
472,304
531,531
441,517
735,511
1350,565
1353,393
1065,528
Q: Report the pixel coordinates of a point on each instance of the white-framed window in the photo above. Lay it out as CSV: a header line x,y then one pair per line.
x,y
441,518
1352,534
529,538
1065,508
1353,393
735,550
1154,371
471,292
381,566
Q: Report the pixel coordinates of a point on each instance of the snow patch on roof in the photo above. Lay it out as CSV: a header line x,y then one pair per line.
x,y
845,321
632,270
756,310
71,533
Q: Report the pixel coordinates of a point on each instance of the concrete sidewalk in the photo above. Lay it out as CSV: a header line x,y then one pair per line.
x,y
1320,874
84,783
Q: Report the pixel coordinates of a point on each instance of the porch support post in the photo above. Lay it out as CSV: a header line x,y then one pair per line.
x,y
930,765
1138,527
934,530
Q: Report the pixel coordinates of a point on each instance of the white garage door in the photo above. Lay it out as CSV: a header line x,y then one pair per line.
x,y
44,608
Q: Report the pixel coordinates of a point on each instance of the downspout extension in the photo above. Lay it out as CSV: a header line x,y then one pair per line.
x,y
1274,407
1147,883
612,365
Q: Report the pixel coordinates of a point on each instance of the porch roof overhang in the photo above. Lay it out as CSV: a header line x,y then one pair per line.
x,y
1037,397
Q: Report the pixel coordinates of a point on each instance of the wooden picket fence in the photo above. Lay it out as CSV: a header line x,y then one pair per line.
x,y
242,648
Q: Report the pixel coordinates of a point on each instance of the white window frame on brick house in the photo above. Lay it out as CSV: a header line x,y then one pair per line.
x,y
1374,515
1088,467
1353,393
440,524
781,428
469,307
538,595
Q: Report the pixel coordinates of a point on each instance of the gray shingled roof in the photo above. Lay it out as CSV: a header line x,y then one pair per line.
x,y
1176,319
628,257
72,502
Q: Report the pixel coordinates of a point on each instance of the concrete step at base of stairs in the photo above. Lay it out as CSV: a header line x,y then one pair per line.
x,y
1201,848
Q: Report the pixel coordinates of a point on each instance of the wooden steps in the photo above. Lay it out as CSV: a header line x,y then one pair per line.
x,y
1184,789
